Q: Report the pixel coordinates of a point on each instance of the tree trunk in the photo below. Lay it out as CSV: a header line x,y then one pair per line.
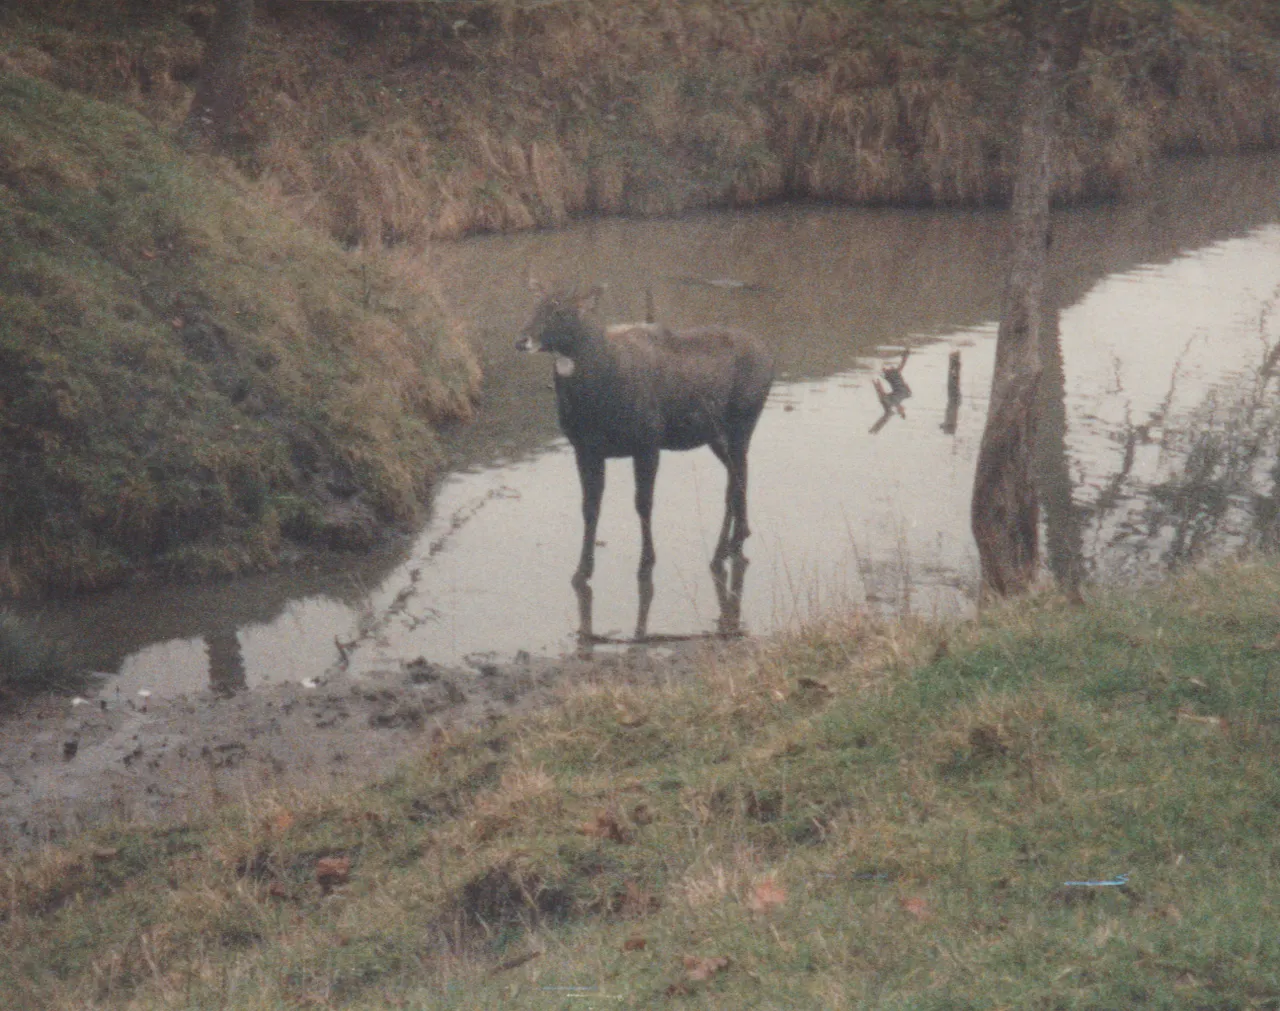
x,y
1005,512
215,111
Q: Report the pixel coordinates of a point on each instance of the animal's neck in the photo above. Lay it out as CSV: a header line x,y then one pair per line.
x,y
591,350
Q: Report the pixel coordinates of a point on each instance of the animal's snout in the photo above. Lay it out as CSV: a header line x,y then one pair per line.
x,y
526,343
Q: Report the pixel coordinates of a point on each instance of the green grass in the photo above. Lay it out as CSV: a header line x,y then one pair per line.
x,y
859,815
190,381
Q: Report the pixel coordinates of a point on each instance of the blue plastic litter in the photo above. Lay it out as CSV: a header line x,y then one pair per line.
x,y
1117,882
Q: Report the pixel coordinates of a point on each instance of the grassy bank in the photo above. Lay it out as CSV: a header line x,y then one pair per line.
x,y
859,815
190,381
403,122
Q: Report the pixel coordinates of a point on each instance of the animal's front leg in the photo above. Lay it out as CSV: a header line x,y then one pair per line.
x,y
646,470
591,474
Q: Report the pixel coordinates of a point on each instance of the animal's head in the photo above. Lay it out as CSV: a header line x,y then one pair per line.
x,y
557,322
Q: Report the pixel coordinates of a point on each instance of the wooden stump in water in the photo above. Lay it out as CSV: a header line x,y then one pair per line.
x,y
952,416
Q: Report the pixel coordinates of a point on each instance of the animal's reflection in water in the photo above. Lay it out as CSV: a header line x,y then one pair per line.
x,y
728,579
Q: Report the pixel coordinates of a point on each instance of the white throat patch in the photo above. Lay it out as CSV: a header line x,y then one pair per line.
x,y
565,366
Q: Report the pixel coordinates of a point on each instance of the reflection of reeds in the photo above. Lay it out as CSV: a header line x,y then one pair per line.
x,y
1223,490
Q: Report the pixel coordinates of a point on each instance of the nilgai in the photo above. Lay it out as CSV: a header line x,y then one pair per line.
x,y
638,388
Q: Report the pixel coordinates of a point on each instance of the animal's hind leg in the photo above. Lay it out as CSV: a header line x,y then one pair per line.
x,y
734,531
591,474
646,470
721,451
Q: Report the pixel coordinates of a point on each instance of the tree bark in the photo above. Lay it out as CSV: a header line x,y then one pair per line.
x,y
215,110
1005,512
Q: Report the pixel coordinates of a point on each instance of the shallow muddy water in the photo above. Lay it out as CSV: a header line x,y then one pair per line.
x,y
1158,437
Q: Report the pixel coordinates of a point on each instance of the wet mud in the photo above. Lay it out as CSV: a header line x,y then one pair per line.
x,y
67,765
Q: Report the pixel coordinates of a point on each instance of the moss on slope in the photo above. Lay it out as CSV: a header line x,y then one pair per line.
x,y
188,379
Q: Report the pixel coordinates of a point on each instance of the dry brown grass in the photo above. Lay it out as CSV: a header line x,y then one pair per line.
x,y
529,114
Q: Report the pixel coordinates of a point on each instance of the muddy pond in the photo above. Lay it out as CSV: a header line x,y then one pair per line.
x,y
1159,436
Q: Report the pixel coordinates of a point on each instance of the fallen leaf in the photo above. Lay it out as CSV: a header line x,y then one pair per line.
x,y
277,890
766,895
514,962
105,854
986,742
177,322
634,944
281,822
147,254
699,969
812,688
635,901
917,907
605,825
629,717
333,871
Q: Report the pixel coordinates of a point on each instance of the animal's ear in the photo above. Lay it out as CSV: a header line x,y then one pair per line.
x,y
590,302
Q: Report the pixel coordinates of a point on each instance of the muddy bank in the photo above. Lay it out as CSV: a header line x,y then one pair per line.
x,y
67,765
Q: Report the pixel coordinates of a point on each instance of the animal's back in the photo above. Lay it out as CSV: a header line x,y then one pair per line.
x,y
699,381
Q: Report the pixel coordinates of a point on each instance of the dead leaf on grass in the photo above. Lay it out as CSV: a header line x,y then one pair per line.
x,y
766,895
634,944
277,890
987,741
699,969
102,855
280,823
635,901
915,906
605,825
629,717
515,962
333,871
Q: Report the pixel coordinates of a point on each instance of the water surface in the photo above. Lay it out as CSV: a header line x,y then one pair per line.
x,y
1157,435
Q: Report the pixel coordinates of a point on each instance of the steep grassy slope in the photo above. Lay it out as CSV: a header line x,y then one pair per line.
x,y
188,379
